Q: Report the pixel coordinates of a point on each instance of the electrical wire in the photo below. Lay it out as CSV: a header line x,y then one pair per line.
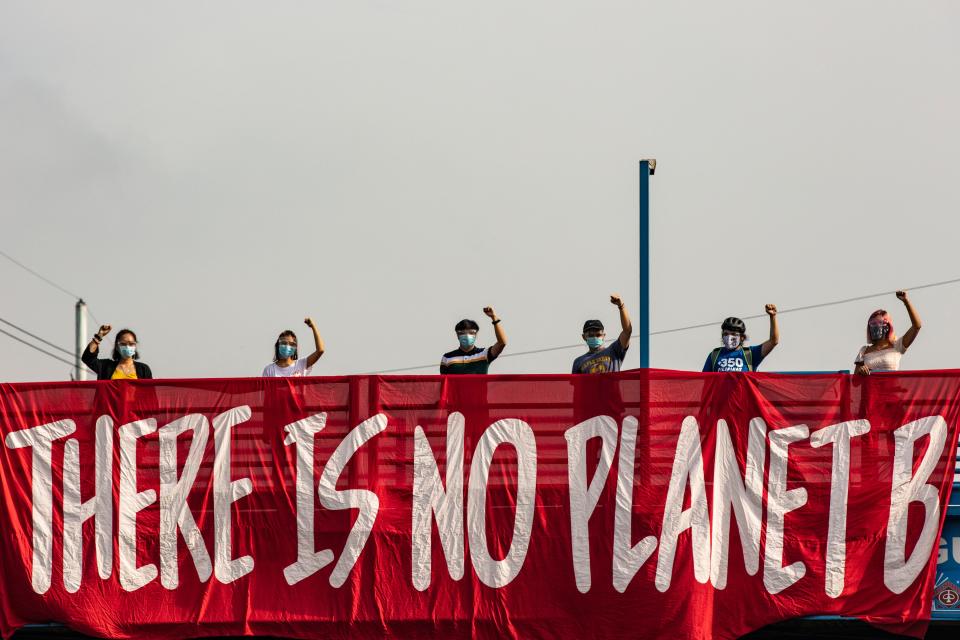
x,y
48,281
508,355
701,325
43,351
31,271
36,337
808,307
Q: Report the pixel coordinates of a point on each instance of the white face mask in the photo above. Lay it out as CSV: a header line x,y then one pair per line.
x,y
731,342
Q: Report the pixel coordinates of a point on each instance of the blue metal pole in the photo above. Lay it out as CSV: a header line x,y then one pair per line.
x,y
647,168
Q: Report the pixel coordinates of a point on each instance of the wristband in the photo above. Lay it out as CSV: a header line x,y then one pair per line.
x,y
97,339
497,321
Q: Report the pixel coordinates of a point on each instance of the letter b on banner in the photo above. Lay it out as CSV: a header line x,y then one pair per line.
x,y
899,572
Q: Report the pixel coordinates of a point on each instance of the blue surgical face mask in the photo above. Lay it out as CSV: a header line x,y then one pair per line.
x,y
127,351
466,339
594,341
286,350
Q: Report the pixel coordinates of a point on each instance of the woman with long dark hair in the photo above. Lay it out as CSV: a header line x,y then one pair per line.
x,y
124,362
286,360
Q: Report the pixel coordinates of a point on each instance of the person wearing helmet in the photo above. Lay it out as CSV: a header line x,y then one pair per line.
x,y
600,359
734,355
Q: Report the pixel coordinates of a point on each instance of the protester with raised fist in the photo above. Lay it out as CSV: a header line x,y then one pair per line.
x,y
123,363
600,359
884,349
468,357
286,359
734,355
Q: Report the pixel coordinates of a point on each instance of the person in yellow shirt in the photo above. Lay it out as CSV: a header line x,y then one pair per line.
x,y
123,365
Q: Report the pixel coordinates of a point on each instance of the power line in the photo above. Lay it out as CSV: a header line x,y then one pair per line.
x,y
48,281
808,307
36,337
31,271
697,326
95,321
506,355
43,351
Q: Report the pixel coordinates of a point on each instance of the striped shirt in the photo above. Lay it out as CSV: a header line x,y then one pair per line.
x,y
476,360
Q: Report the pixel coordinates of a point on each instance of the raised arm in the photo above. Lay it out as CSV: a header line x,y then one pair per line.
x,y
317,340
915,323
774,340
89,355
497,348
625,324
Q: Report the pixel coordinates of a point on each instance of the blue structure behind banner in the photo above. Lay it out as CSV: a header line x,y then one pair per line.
x,y
946,592
647,167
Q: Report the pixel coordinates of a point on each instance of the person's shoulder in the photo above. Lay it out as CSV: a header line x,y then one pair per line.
x,y
452,354
581,358
578,361
268,370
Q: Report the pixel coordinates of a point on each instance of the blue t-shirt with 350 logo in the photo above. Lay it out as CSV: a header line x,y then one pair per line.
x,y
734,359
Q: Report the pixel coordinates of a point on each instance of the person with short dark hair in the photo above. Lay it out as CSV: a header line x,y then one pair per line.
x,y
600,359
123,363
286,360
468,357
734,355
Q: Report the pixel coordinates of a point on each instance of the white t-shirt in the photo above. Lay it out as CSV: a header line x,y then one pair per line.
x,y
884,359
298,369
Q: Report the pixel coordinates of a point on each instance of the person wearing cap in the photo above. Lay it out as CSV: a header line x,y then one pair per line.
x,y
468,357
734,355
600,359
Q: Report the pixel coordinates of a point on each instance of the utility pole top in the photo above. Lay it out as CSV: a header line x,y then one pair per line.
x,y
647,167
80,319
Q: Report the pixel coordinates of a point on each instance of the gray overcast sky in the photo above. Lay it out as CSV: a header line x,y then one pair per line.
x,y
209,173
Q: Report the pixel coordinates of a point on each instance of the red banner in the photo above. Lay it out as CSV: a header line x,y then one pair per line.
x,y
643,503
